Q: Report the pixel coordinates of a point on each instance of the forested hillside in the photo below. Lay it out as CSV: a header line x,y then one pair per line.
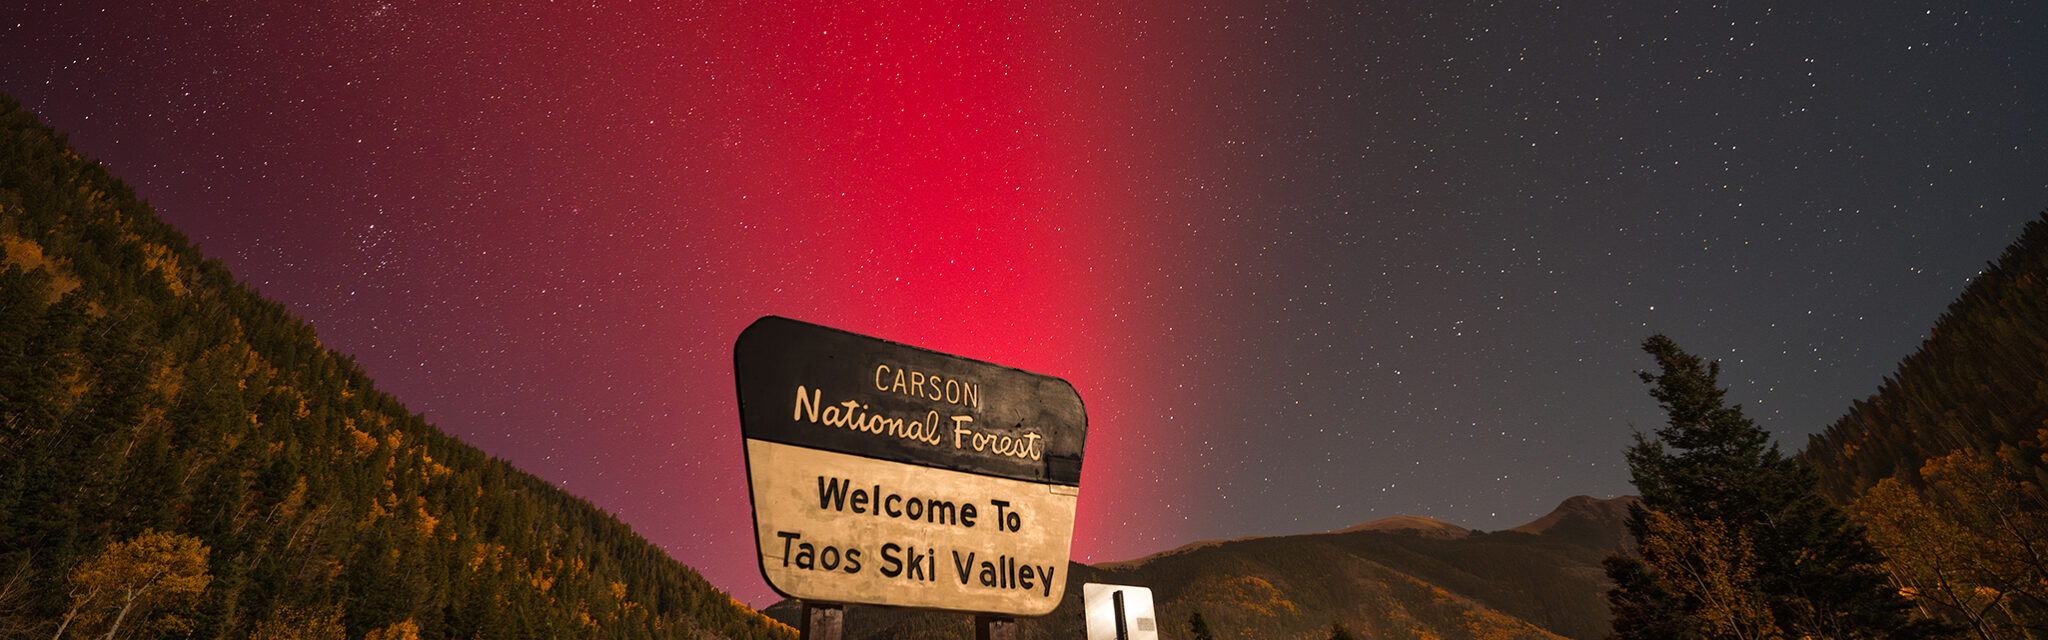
x,y
1979,381
180,457
1946,461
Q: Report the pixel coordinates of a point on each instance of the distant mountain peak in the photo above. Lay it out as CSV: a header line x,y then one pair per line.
x,y
1423,526
1587,510
1420,526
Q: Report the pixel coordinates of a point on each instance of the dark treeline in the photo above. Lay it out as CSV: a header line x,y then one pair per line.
x,y
1979,381
151,404
1945,463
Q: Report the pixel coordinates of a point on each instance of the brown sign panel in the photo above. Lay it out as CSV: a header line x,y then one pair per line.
x,y
887,474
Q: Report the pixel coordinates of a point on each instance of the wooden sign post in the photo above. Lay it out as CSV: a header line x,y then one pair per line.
x,y
886,474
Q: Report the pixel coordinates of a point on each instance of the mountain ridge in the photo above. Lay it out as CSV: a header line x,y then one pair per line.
x,y
1578,506
146,392
1385,578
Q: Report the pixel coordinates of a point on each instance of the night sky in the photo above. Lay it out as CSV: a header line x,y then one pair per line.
x,y
1307,264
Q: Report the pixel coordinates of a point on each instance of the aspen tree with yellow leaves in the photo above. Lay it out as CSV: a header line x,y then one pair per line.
x,y
1970,544
130,580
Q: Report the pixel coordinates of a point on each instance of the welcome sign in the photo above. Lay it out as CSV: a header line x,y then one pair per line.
x,y
887,474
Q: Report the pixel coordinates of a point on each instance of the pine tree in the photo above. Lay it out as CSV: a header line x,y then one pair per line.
x,y
1735,542
1338,632
1198,628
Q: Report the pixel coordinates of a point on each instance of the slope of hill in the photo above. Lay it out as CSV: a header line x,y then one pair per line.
x,y
143,389
1945,464
1395,578
1979,381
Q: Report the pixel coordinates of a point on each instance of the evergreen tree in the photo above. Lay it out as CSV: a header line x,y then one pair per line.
x,y
1198,628
1735,542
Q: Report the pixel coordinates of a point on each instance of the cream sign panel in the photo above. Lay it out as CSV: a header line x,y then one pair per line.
x,y
911,536
887,474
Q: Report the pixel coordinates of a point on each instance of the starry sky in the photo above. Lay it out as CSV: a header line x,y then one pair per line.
x,y
1308,263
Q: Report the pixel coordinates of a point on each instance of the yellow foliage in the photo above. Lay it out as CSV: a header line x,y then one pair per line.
x,y
377,510
253,362
128,578
162,562
292,623
1487,624
364,442
494,553
1250,594
406,630
435,469
1711,564
1966,541
288,508
22,252
166,381
426,522
96,200
159,258
28,255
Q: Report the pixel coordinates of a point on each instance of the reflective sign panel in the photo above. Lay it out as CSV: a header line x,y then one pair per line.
x,y
887,474
1119,612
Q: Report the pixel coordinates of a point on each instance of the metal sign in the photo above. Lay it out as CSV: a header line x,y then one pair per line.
x,y
1118,612
887,474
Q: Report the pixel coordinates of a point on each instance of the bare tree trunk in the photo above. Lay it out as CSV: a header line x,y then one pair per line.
x,y
68,615
133,597
73,613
